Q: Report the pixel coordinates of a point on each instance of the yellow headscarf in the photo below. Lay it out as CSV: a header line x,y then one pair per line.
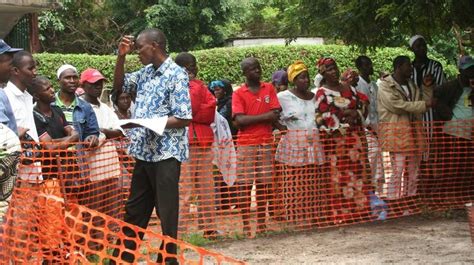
x,y
295,69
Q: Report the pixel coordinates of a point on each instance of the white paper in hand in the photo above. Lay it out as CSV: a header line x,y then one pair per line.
x,y
157,125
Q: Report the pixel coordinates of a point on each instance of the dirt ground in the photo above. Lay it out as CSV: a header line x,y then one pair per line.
x,y
408,240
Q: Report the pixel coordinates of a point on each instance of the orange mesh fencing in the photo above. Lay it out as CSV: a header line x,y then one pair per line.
x,y
42,229
296,180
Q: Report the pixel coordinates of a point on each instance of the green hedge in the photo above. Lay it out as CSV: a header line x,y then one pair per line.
x,y
225,62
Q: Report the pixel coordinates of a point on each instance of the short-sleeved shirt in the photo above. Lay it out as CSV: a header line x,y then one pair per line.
x,y
247,102
160,92
54,126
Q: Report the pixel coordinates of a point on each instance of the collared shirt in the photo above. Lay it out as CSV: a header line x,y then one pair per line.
x,y
6,113
67,110
247,102
160,92
22,106
370,90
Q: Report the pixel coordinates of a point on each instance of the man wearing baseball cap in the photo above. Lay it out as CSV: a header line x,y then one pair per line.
x,y
454,110
92,82
6,113
104,165
7,118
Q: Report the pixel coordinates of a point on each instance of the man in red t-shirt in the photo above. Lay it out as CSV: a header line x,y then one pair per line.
x,y
255,110
198,171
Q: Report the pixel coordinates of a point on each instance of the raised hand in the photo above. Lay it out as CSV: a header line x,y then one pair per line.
x,y
126,45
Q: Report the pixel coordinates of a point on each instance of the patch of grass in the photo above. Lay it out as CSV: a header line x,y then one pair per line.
x,y
196,239
237,235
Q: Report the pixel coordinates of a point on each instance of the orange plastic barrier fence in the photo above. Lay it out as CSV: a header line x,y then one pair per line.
x,y
42,229
296,180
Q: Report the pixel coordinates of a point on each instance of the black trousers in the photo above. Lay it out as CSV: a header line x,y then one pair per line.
x,y
154,185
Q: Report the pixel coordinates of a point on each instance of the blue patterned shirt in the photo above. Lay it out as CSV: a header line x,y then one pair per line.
x,y
160,92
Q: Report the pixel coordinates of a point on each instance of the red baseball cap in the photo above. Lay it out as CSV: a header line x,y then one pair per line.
x,y
91,75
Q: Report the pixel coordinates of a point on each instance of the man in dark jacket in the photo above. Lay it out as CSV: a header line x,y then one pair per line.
x,y
455,148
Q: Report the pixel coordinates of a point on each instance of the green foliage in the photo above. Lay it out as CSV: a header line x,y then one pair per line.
x,y
369,23
222,63
79,26
189,24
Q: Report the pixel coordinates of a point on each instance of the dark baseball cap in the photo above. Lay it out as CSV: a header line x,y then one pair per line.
x,y
465,62
4,47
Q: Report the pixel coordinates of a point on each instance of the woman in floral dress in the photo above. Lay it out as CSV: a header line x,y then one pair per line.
x,y
340,112
299,150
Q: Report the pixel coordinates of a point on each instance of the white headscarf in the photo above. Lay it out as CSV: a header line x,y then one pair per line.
x,y
413,39
65,67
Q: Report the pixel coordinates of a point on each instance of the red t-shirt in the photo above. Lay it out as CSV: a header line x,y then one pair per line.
x,y
247,102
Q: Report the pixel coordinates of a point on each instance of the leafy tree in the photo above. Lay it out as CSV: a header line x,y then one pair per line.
x,y
79,26
190,24
370,23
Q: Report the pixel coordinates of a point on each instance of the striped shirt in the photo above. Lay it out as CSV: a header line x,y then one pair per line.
x,y
436,70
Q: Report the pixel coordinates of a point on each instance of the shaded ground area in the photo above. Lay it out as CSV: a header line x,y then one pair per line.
x,y
440,238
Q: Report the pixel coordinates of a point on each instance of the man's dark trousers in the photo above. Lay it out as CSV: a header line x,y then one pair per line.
x,y
154,185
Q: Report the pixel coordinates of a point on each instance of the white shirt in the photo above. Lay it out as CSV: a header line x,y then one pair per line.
x,y
22,106
106,117
103,161
301,145
370,90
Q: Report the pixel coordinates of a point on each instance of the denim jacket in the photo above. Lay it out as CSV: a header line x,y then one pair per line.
x,y
84,119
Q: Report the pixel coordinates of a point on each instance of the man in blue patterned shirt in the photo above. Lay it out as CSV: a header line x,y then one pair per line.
x,y
162,90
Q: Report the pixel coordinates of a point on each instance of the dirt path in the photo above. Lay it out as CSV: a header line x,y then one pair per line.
x,y
416,239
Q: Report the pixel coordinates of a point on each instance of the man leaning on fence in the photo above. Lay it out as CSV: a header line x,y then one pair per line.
x,y
162,91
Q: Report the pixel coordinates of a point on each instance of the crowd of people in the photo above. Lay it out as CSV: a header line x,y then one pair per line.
x,y
340,128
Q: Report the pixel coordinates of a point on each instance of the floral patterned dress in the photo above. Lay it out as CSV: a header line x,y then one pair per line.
x,y
348,175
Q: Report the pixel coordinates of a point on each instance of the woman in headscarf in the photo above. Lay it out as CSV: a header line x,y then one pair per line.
x,y
350,77
280,80
122,102
299,150
222,90
340,112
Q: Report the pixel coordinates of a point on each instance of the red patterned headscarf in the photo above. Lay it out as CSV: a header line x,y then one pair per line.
x,y
349,75
323,63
